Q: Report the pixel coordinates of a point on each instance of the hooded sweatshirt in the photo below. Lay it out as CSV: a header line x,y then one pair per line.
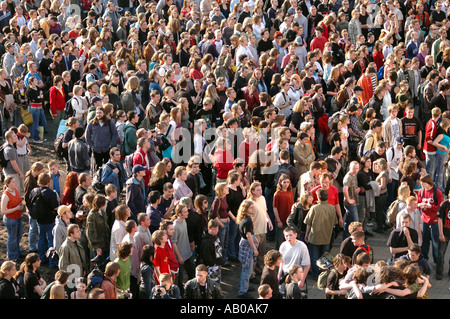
x,y
211,250
59,232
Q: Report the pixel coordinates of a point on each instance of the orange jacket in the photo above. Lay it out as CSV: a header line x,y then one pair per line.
x,y
366,83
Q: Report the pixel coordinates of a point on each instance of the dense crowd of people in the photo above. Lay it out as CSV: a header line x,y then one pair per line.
x,y
196,133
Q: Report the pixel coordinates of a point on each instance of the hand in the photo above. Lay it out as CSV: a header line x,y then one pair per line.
x,y
256,253
406,231
357,190
442,238
98,251
116,170
351,201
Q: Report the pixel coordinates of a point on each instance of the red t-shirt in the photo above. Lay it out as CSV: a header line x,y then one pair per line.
x,y
318,43
333,196
283,202
224,163
161,260
429,215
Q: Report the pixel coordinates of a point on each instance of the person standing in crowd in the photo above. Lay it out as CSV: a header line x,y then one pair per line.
x,y
47,202
12,207
140,84
101,134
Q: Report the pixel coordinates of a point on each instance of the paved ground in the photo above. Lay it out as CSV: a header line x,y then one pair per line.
x,y
439,289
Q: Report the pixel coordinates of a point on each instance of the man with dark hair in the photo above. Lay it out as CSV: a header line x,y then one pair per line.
x,y
401,238
211,252
113,171
72,252
202,287
60,279
414,256
208,47
320,221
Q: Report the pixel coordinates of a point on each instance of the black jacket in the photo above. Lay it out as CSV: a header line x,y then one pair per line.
x,y
7,290
192,290
211,251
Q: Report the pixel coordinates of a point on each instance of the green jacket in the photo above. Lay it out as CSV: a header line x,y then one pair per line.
x,y
97,231
129,138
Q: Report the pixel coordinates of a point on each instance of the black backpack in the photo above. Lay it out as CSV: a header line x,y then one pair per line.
x,y
37,205
61,153
68,109
282,169
97,179
3,161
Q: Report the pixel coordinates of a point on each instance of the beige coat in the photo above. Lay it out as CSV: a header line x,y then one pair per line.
x,y
62,182
303,157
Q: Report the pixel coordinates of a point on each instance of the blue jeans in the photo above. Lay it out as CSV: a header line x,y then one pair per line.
x,y
244,282
15,231
430,165
224,239
32,234
38,120
232,235
45,241
440,171
430,233
269,201
351,215
392,189
315,252
279,236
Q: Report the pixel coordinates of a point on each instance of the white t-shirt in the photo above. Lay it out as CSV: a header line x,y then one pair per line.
x,y
294,255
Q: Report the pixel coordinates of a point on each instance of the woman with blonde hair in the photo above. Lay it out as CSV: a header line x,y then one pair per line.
x,y
248,244
183,105
158,178
130,99
8,285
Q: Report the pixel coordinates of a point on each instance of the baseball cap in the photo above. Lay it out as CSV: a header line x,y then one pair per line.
x,y
299,40
400,140
63,208
358,88
138,168
96,99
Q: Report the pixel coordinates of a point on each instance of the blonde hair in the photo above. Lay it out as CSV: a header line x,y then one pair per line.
x,y
404,191
219,189
243,210
6,266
